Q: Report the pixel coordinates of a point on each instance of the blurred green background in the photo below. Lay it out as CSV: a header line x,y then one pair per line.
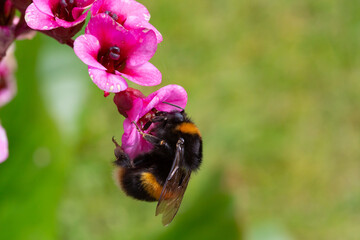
x,y
274,86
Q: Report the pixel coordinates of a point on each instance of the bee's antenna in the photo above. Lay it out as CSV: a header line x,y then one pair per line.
x,y
174,105
114,141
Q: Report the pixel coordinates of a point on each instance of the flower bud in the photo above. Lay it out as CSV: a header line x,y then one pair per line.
x,y
124,100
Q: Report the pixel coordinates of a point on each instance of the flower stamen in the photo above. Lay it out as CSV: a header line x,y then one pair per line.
x,y
114,53
64,10
112,15
112,59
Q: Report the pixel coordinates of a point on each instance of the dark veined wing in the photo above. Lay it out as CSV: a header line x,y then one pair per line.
x,y
174,187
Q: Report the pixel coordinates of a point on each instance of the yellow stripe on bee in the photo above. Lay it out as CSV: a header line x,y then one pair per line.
x,y
150,185
188,128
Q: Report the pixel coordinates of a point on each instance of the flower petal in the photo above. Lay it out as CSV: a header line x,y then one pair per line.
x,y
145,75
4,151
38,20
122,8
7,68
109,33
134,112
87,47
132,142
107,81
133,22
8,93
131,8
174,94
45,6
84,3
144,49
77,12
96,7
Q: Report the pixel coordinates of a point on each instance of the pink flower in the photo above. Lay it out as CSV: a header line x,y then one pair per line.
x,y
129,13
4,151
63,17
7,79
113,53
143,109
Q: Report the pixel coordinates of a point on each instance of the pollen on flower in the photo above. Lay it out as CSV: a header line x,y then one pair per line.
x,y
112,88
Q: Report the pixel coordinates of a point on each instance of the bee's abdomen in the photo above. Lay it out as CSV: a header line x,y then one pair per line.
x,y
132,183
151,185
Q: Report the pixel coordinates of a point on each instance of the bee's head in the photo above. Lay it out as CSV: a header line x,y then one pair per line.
x,y
118,150
174,116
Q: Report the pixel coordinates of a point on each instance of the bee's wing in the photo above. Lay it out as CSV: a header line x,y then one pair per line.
x,y
169,206
174,187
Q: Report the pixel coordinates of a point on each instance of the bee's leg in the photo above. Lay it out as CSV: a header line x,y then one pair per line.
x,y
152,139
122,159
147,125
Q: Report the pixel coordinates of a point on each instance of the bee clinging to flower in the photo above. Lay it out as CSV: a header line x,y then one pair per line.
x,y
161,169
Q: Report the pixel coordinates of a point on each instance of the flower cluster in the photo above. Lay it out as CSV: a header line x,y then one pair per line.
x,y
116,46
118,42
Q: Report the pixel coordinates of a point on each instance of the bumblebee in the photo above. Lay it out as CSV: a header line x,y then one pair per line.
x,y
163,173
